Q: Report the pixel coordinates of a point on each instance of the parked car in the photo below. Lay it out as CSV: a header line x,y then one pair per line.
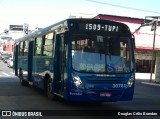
x,y
3,55
5,59
10,62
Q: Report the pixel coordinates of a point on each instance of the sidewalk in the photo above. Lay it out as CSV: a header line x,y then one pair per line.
x,y
146,76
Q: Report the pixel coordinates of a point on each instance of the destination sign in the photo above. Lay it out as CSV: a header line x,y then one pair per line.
x,y
99,27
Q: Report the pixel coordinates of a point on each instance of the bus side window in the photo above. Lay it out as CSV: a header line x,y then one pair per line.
x,y
26,43
38,45
21,49
48,45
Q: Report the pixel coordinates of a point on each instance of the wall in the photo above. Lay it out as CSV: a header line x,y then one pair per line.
x,y
9,46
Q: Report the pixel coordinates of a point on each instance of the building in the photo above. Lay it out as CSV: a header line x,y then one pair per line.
x,y
9,47
4,38
8,36
143,39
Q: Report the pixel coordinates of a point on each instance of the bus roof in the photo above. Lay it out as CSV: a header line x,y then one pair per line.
x,y
63,24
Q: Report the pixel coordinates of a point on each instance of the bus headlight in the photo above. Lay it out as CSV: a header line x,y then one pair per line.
x,y
131,81
77,81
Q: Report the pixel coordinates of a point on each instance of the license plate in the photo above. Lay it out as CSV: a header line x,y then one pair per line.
x,y
104,94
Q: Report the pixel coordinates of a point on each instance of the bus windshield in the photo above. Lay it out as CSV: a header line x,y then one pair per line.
x,y
101,54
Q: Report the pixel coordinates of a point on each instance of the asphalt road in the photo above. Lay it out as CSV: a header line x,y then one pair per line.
x,y
13,96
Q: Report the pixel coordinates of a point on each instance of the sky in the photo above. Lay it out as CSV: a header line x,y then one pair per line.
x,y
43,13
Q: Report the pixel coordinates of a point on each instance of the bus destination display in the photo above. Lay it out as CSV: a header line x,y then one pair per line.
x,y
99,27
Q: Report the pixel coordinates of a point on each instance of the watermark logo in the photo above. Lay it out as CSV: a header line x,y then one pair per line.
x,y
6,113
21,113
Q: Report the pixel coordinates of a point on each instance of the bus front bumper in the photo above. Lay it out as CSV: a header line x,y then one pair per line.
x,y
102,95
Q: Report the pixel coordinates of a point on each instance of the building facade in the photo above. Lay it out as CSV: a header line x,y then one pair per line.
x,y
9,47
144,53
7,38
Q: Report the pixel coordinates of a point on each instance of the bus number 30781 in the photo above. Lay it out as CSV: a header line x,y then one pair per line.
x,y
119,85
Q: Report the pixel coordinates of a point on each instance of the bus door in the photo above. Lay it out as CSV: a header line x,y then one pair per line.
x,y
61,66
30,62
15,59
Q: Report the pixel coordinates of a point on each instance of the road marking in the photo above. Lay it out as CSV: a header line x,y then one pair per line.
x,y
153,84
5,74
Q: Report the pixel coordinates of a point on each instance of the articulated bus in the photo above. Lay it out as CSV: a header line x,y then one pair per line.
x,y
79,60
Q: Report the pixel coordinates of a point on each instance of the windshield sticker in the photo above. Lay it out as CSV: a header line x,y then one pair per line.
x,y
110,68
101,68
95,67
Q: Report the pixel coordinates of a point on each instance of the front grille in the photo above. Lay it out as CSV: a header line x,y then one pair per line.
x,y
104,80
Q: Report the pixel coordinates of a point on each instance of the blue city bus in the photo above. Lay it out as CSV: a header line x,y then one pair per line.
x,y
79,60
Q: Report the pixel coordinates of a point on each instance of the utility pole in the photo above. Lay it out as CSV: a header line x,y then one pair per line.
x,y
153,28
153,24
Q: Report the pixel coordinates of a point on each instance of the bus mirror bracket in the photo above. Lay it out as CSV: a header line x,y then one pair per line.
x,y
133,41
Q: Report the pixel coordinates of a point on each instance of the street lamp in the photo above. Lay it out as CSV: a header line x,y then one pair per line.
x,y
153,28
153,25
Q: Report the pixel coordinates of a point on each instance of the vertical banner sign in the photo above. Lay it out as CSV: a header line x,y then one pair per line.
x,y
157,73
